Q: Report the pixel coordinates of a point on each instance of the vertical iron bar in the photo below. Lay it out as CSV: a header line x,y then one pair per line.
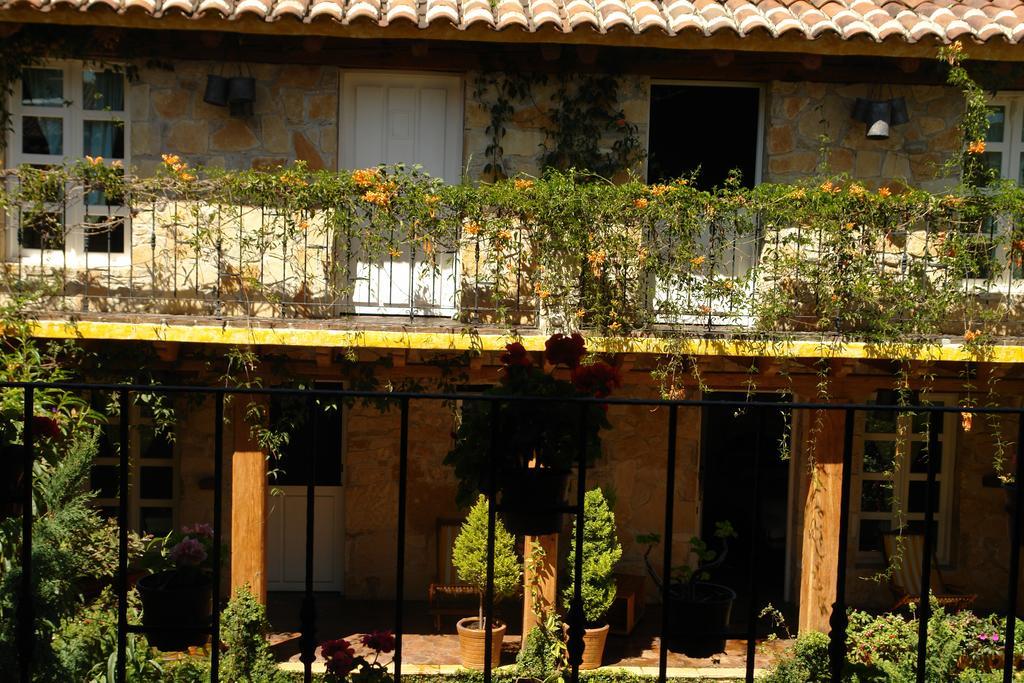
x,y
26,615
308,613
752,572
491,512
577,618
1015,538
218,499
666,567
122,539
403,476
838,620
925,608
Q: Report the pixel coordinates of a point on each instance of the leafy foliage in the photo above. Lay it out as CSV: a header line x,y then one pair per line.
x,y
469,556
601,552
244,629
543,656
685,578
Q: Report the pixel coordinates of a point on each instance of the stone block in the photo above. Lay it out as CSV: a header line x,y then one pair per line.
x,y
896,166
329,139
306,151
171,103
186,137
145,139
780,139
294,102
803,162
841,160
522,142
274,135
323,107
138,102
234,136
299,76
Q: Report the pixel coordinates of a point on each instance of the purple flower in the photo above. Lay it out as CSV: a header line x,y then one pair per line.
x,y
995,637
982,636
188,553
201,530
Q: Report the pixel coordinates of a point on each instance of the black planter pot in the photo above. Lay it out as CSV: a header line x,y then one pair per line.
x,y
187,609
12,475
530,499
690,621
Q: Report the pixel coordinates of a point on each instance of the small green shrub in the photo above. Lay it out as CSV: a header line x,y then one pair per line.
x,y
543,654
244,628
601,552
470,555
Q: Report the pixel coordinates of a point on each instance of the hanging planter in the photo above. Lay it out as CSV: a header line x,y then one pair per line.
x,y
530,499
531,446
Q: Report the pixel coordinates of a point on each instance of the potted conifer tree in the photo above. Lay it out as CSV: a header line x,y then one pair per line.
x,y
601,552
469,556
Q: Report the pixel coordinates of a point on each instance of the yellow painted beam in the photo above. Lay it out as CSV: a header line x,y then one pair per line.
x,y
457,340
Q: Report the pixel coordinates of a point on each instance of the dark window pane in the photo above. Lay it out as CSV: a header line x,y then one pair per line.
x,y
104,234
876,496
706,128
156,521
996,124
42,88
880,422
292,468
153,445
109,511
156,483
109,441
871,531
922,419
102,91
916,496
919,458
103,139
41,230
42,135
993,161
104,481
917,527
879,456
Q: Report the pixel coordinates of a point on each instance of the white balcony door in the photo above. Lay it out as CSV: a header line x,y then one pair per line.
x,y
412,119
286,523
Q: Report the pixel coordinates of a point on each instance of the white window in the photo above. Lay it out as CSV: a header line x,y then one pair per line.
x,y
152,479
411,119
61,113
890,478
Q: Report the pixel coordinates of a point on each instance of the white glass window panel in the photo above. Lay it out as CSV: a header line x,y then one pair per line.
x,y
406,283
96,129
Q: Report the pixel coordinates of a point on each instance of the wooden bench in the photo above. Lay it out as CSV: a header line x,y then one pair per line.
x,y
446,595
628,607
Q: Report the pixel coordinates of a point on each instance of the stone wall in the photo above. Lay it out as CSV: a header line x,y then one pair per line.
x,y
295,117
800,114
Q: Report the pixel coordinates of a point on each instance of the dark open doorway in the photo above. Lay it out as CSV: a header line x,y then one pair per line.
x,y
742,455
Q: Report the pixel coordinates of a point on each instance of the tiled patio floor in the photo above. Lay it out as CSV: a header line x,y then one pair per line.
x,y
339,618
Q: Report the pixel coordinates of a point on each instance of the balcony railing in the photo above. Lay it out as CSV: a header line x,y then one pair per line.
x,y
597,258
406,403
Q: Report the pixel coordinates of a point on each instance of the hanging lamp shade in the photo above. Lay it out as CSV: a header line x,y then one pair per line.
x,y
216,92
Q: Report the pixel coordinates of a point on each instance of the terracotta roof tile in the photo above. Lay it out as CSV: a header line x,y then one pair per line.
x,y
904,20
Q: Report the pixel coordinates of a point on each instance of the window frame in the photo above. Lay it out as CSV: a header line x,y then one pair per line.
x,y
944,515
136,503
74,213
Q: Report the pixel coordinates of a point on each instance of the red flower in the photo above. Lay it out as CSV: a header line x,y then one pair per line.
x,y
516,356
45,427
340,657
381,641
599,379
565,350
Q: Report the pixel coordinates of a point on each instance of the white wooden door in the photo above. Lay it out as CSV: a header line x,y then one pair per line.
x,y
411,119
286,523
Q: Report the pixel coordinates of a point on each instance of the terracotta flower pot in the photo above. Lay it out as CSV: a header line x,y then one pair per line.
x,y
473,643
593,645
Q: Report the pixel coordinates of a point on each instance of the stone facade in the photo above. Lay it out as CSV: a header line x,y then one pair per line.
x,y
294,118
809,122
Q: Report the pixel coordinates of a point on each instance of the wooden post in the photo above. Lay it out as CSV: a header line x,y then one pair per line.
x,y
820,539
546,578
248,507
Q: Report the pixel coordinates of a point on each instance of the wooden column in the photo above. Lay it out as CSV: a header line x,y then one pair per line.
x,y
248,506
547,579
820,538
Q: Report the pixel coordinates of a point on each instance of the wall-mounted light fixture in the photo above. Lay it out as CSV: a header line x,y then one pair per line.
x,y
880,115
238,93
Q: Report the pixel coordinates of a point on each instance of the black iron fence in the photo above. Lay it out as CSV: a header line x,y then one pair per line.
x,y
575,617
